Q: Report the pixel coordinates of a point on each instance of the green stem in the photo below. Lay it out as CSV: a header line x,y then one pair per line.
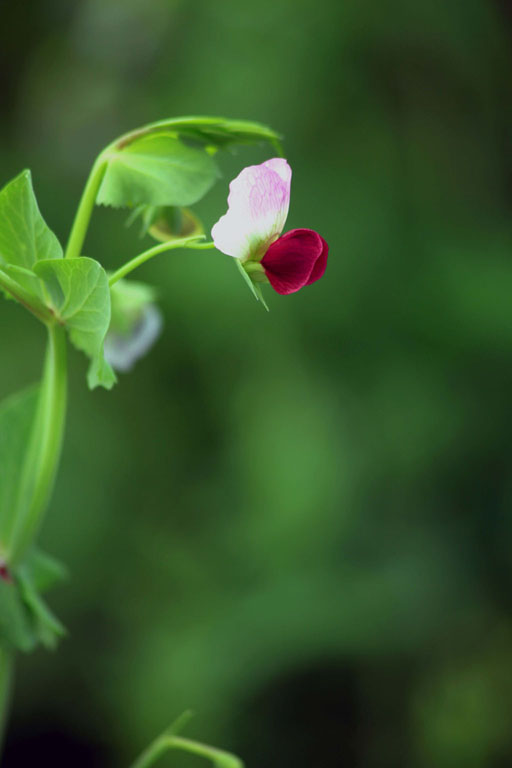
x,y
184,242
85,207
6,667
166,742
43,451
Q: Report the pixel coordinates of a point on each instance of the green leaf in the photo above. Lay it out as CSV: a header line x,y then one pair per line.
x,y
16,630
79,295
43,570
25,619
24,236
46,627
217,132
16,418
156,170
24,277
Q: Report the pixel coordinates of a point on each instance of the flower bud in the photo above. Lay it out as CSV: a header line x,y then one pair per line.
x,y
171,223
166,222
135,324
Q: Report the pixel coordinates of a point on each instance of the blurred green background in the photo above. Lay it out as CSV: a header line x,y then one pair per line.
x,y
296,523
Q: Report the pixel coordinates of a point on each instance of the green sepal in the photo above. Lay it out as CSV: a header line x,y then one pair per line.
x,y
78,293
43,570
16,628
25,619
47,629
259,294
255,288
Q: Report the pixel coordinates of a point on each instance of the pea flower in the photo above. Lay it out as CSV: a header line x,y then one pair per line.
x,y
135,324
250,231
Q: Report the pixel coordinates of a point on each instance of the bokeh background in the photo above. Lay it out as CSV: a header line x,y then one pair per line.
x,y
298,523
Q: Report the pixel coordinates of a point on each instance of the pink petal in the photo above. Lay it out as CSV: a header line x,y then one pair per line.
x,y
297,259
258,204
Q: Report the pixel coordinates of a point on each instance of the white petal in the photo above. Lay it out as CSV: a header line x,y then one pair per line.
x,y
280,166
258,204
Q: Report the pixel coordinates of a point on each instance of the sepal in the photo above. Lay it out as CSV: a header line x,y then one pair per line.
x,y
253,279
25,619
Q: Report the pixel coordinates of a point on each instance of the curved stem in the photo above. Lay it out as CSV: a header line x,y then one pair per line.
x,y
43,450
184,242
85,208
6,668
166,742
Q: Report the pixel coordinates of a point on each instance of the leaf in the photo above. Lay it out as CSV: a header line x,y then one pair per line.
x,y
157,170
16,418
46,627
215,131
43,570
15,625
24,236
24,277
79,295
25,619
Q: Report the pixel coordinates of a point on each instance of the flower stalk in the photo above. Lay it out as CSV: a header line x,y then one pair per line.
x,y
185,242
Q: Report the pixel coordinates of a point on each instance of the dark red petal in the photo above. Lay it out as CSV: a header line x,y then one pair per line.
x,y
320,263
290,262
